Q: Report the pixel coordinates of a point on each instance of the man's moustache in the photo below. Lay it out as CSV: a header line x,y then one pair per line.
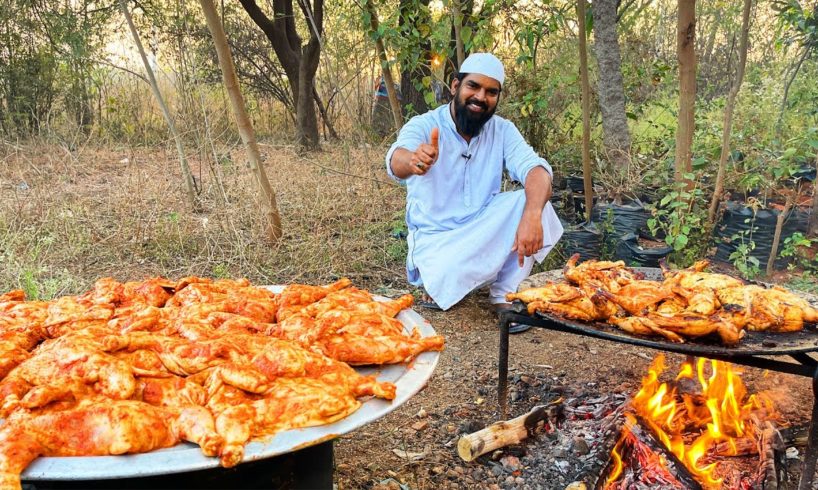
x,y
478,103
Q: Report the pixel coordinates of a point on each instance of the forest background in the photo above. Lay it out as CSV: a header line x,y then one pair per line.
x,y
93,181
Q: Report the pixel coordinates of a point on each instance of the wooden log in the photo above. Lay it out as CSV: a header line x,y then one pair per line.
x,y
770,444
503,433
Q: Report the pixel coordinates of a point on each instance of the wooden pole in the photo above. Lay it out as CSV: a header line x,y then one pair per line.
x,y
190,185
728,112
248,136
387,72
586,113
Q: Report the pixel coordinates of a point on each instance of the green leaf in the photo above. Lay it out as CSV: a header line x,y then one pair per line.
x,y
679,242
465,34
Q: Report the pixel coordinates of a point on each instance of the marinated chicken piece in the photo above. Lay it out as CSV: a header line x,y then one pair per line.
x,y
150,292
639,297
290,403
352,298
186,400
297,296
100,429
360,338
67,360
13,296
74,309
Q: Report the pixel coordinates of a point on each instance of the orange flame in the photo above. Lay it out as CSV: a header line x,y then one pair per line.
x,y
721,412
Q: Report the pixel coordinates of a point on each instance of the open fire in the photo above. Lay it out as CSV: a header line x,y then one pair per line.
x,y
702,417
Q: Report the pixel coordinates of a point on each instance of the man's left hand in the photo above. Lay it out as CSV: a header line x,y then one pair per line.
x,y
529,236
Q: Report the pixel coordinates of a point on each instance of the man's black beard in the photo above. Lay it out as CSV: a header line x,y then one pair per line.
x,y
469,124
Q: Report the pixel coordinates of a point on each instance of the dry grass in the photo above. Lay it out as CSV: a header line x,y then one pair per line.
x,y
68,218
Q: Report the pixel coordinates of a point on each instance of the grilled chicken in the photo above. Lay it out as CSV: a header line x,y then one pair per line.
x,y
688,303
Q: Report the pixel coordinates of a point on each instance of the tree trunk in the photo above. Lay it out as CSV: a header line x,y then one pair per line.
x,y
779,225
685,42
796,68
616,135
190,186
416,57
248,136
812,227
387,71
728,112
586,113
324,115
457,23
298,61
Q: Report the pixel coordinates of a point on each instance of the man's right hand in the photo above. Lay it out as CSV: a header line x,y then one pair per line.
x,y
425,155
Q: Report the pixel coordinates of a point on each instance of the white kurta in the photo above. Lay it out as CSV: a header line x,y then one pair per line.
x,y
461,228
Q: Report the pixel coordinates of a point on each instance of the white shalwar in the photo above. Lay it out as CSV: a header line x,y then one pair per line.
x,y
461,228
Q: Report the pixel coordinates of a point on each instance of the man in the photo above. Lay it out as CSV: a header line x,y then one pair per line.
x,y
463,232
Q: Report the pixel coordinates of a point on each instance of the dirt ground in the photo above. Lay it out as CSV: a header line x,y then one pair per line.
x,y
416,445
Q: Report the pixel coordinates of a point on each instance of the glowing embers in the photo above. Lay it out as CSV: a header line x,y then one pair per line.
x,y
700,419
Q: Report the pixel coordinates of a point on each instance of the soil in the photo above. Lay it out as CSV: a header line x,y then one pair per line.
x,y
416,445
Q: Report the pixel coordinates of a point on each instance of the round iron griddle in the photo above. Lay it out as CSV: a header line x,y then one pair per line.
x,y
753,343
409,379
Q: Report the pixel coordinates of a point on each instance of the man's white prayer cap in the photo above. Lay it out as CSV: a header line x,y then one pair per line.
x,y
484,64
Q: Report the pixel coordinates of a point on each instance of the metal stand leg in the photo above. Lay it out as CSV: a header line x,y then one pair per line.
x,y
502,381
808,468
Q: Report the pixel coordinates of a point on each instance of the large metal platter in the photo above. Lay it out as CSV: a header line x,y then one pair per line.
x,y
754,343
409,378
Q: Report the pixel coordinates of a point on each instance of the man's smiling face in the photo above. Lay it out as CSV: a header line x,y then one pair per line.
x,y
475,100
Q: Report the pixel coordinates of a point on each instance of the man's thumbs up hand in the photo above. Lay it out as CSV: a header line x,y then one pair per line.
x,y
425,155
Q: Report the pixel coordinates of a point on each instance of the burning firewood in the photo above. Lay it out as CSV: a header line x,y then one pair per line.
x,y
504,433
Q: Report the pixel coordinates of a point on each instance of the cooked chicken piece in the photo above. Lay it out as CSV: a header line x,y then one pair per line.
x,y
100,429
607,275
588,306
639,296
297,296
690,325
671,306
554,292
700,300
694,278
643,326
778,310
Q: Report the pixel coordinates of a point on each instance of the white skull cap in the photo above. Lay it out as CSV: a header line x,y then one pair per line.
x,y
484,64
